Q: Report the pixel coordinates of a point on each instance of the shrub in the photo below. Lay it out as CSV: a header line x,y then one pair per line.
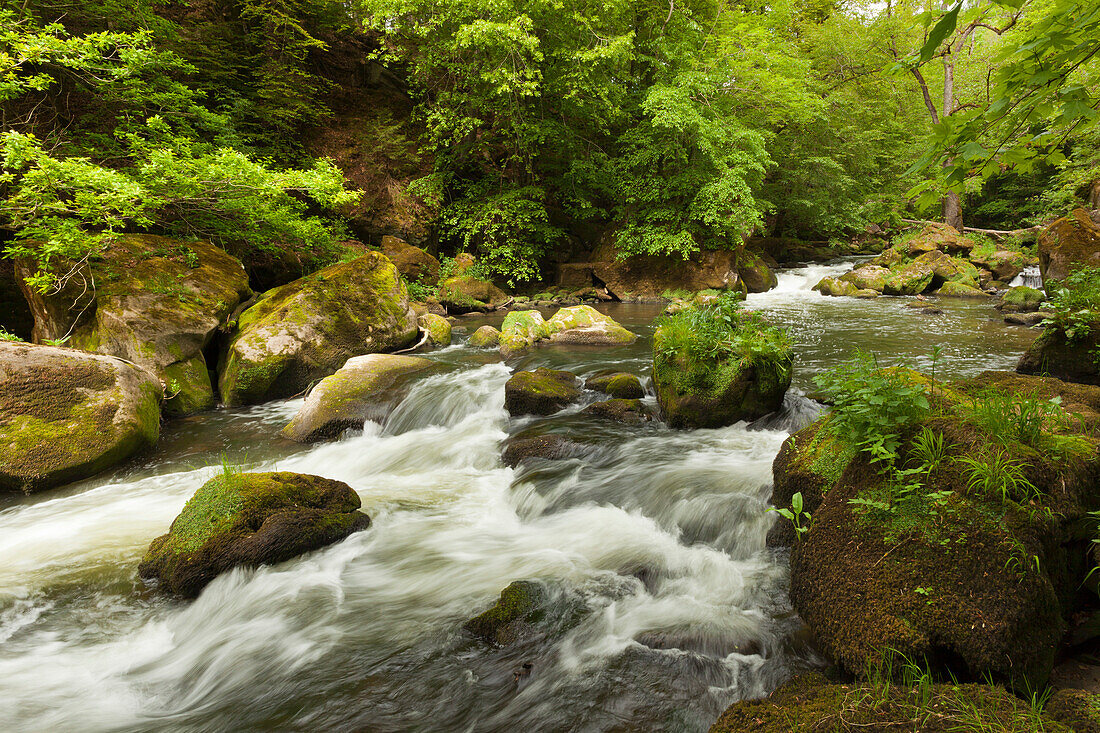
x,y
1076,303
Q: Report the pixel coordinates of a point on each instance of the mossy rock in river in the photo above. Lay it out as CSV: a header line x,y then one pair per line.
x,y
521,331
809,704
437,328
584,325
928,272
621,385
67,415
754,273
541,392
834,287
1054,354
365,388
1021,299
414,264
703,393
971,581
628,412
250,519
868,277
520,606
305,330
485,337
157,302
960,290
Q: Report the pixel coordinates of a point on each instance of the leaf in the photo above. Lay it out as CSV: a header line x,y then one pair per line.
x,y
942,29
796,503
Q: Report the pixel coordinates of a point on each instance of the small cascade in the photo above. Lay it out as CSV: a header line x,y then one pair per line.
x,y
1029,277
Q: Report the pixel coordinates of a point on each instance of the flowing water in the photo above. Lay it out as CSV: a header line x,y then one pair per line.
x,y
666,605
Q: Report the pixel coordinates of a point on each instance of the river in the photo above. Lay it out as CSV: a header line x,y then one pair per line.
x,y
652,547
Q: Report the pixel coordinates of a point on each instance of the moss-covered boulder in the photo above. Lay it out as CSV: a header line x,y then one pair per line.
x,y
467,294
305,330
583,324
485,337
157,302
521,606
541,392
626,411
960,290
621,385
1070,243
436,328
1021,299
890,257
414,264
1002,264
247,520
973,578
835,287
1079,710
365,388
810,703
521,331
868,277
754,273
698,388
1053,353
66,414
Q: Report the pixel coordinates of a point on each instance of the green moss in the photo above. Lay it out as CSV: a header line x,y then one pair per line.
x,y
521,601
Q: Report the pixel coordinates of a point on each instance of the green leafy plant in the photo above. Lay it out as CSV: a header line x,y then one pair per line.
x,y
1019,417
1075,304
997,475
6,335
872,406
795,515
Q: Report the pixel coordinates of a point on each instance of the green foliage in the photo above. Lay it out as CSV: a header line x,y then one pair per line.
x,y
795,515
873,406
720,333
5,335
997,475
1013,417
1075,303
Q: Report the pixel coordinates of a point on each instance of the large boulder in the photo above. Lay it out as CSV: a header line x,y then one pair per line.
x,y
365,388
868,277
1003,264
583,324
541,392
1070,243
755,273
414,264
521,330
834,287
250,519
973,578
157,302
703,392
485,337
960,290
66,414
467,294
649,277
929,271
1054,354
305,330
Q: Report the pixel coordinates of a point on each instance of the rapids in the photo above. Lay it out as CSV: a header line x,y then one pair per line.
x,y
654,542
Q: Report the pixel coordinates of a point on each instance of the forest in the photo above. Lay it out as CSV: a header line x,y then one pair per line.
x,y
628,365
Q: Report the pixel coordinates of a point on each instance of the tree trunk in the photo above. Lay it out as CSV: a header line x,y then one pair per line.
x,y
952,210
1094,196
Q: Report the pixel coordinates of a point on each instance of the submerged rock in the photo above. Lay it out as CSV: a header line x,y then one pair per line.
x,y
305,330
437,328
629,412
250,519
365,388
583,324
67,415
485,337
541,392
521,605
621,385
157,302
550,447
